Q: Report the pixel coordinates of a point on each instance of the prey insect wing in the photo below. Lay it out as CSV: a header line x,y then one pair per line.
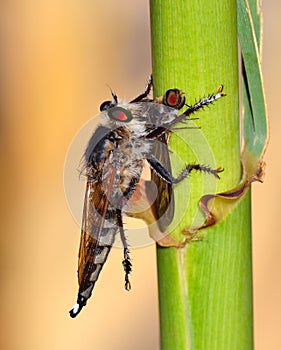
x,y
163,205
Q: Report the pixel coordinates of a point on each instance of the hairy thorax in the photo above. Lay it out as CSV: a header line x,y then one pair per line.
x,y
119,169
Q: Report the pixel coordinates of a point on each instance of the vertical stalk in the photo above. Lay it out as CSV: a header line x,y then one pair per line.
x,y
205,289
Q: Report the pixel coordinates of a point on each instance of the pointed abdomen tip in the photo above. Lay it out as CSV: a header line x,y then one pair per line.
x,y
75,310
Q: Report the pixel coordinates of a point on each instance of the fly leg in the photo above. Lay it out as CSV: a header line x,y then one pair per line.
x,y
163,173
185,116
167,240
142,96
197,106
127,265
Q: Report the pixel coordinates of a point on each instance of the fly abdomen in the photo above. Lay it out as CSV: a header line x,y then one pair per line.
x,y
91,263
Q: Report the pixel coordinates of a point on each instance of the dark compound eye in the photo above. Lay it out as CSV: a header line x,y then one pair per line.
x,y
109,104
174,98
106,105
120,114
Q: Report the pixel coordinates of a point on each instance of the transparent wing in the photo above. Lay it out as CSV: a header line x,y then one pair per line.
x,y
163,206
97,233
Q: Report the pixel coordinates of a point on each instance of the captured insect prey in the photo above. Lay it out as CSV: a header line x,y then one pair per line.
x,y
131,135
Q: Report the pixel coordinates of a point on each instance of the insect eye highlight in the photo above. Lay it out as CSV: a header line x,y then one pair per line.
x,y
120,114
174,98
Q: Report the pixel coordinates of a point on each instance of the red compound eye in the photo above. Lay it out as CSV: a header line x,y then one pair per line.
x,y
174,98
120,114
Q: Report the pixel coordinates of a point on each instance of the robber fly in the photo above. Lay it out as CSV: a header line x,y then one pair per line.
x,y
131,134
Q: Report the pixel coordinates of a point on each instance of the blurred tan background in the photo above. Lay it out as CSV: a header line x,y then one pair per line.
x,y
56,59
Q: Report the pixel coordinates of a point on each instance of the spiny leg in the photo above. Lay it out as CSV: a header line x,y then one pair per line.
x,y
169,241
185,116
205,101
185,172
163,173
198,105
127,265
145,93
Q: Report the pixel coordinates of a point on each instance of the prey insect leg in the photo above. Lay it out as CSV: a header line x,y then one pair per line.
x,y
145,93
163,173
198,105
127,265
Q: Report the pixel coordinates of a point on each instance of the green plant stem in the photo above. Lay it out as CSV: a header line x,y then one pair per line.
x,y
205,290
